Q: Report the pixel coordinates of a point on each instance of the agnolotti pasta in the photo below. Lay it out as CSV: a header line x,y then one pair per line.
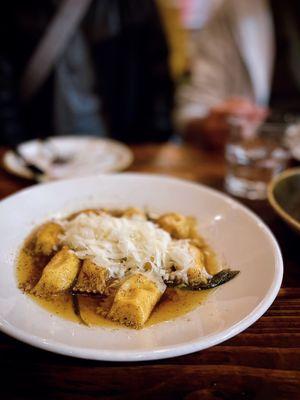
x,y
92,278
134,301
47,238
126,260
59,274
179,226
197,273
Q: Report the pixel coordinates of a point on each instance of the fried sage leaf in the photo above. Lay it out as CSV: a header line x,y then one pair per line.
x,y
219,279
76,309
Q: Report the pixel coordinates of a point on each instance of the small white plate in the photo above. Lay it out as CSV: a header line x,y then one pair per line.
x,y
238,236
82,156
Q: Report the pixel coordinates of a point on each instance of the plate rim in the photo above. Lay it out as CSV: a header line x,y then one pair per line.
x,y
288,218
166,351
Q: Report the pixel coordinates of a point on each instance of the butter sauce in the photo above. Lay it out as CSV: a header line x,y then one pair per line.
x,y
173,304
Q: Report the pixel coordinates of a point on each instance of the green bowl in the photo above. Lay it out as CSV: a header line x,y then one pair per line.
x,y
284,196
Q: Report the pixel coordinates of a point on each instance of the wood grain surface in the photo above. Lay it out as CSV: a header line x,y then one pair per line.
x,y
263,362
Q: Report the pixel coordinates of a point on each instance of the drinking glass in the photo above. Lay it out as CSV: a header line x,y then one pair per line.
x,y
254,155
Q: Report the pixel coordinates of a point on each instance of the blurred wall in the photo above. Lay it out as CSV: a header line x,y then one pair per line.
x,y
195,13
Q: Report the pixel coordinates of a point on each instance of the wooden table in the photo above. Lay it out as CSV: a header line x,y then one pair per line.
x,y
263,362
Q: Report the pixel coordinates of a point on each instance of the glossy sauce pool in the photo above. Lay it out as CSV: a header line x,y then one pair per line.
x,y
174,302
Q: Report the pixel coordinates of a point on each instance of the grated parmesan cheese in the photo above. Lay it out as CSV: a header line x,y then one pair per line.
x,y
123,246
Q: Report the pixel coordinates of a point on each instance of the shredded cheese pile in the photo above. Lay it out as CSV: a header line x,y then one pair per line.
x,y
124,245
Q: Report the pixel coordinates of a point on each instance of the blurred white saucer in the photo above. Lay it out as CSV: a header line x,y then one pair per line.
x,y
65,157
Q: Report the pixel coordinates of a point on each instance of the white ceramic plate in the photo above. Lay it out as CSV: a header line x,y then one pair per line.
x,y
82,155
237,235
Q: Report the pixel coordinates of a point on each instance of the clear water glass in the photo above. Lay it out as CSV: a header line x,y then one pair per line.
x,y
254,155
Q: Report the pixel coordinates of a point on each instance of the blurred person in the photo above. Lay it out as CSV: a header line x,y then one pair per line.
x,y
111,78
246,60
180,19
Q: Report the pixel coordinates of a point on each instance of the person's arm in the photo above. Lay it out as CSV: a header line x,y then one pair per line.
x,y
10,114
